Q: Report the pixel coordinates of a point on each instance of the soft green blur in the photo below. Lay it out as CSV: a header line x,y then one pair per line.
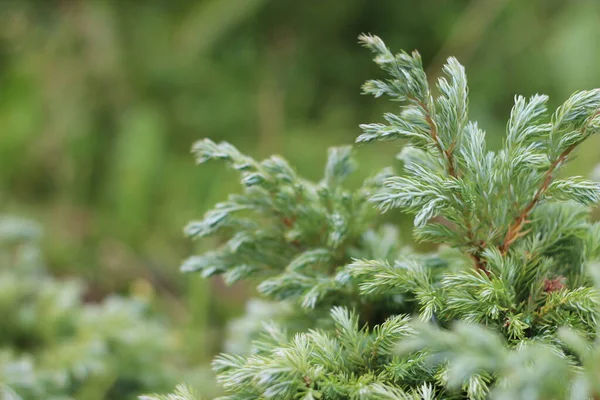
x,y
100,102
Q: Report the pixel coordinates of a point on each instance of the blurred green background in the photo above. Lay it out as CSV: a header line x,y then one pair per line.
x,y
100,102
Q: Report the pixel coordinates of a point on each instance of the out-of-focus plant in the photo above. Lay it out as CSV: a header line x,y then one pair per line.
x,y
53,345
182,392
506,308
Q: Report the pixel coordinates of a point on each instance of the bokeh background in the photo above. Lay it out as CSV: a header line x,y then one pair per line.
x,y
100,102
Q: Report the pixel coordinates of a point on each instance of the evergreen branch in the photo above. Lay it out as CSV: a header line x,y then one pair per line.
x,y
448,154
409,84
515,231
346,288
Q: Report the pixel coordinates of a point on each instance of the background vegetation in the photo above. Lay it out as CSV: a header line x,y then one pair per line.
x,y
100,102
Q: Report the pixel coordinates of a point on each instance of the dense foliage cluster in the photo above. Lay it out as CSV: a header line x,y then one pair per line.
x,y
55,346
506,308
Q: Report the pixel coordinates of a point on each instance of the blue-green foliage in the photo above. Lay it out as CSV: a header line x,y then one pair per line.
x,y
55,346
507,308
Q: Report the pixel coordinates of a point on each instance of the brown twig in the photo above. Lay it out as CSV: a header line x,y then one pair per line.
x,y
449,156
307,381
447,153
515,231
479,263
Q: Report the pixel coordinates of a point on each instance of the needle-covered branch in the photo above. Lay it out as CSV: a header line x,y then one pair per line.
x,y
507,307
453,177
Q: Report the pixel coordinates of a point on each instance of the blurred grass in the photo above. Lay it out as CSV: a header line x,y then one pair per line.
x,y
101,101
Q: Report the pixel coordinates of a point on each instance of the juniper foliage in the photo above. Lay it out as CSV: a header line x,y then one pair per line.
x,y
55,346
507,308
